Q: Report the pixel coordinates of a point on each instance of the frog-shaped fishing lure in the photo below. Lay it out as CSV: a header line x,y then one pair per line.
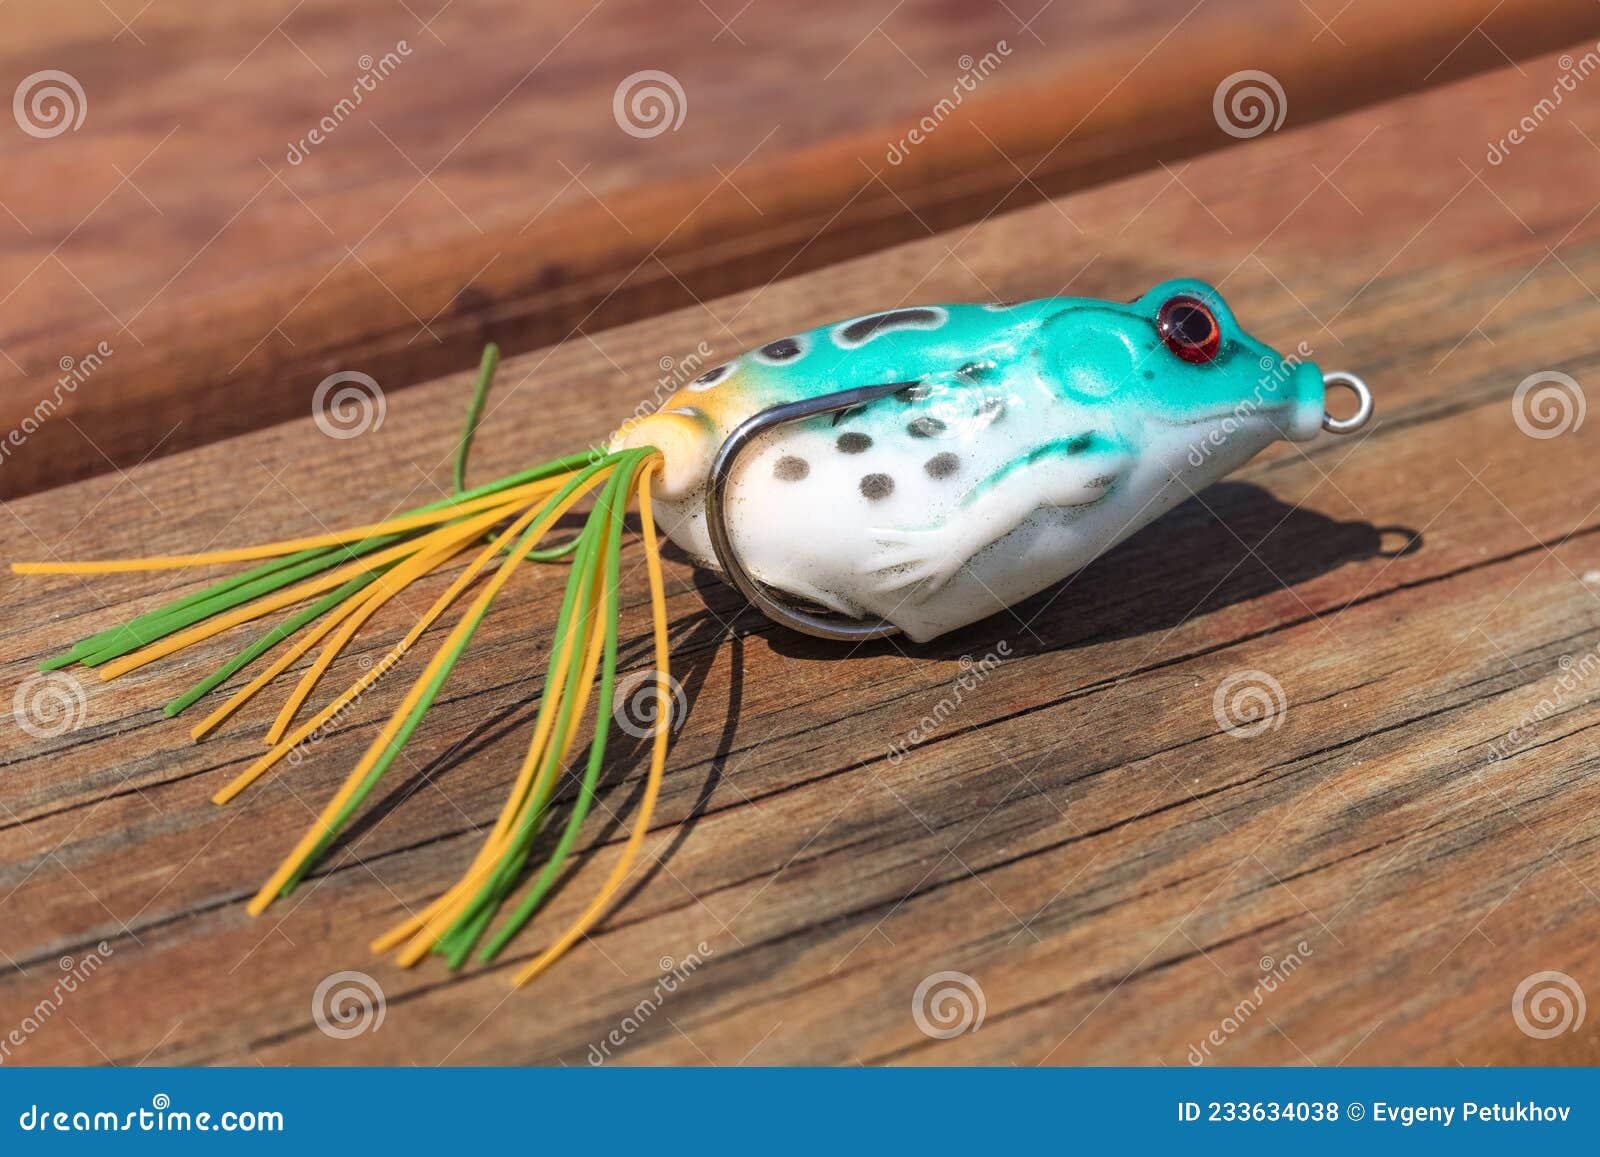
x,y
1014,445
912,470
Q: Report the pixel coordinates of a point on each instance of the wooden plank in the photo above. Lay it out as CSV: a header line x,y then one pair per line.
x,y
484,190
1079,835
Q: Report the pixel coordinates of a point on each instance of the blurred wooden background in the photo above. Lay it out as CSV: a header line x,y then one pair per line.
x,y
484,190
1113,871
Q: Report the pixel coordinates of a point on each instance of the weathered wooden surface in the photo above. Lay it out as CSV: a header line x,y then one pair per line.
x,y
484,190
1079,835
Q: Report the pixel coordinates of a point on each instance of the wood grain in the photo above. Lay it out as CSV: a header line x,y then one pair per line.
x,y
484,190
1079,835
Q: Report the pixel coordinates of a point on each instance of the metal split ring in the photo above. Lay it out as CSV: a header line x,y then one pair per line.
x,y
1363,403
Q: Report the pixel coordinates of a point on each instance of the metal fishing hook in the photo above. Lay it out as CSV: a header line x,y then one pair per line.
x,y
821,626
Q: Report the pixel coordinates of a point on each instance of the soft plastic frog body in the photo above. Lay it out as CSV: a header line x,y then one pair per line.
x,y
1030,438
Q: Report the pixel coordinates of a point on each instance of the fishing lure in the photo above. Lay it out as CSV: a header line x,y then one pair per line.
x,y
910,471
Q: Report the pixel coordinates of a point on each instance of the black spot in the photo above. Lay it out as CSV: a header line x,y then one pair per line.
x,y
942,465
876,486
714,375
854,443
783,350
860,332
976,371
1149,375
925,427
1079,444
790,469
915,392
992,410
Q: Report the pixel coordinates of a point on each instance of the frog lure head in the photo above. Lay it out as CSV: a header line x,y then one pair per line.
x,y
909,471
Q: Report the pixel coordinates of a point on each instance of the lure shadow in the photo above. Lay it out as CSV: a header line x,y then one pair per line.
x,y
693,650
1233,544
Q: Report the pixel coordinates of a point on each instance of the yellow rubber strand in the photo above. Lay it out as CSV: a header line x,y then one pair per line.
x,y
517,495
287,598
323,826
658,753
368,602
359,687
456,897
444,912
315,635
547,708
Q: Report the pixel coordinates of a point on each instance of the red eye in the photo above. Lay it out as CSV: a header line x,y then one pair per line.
x,y
1190,329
